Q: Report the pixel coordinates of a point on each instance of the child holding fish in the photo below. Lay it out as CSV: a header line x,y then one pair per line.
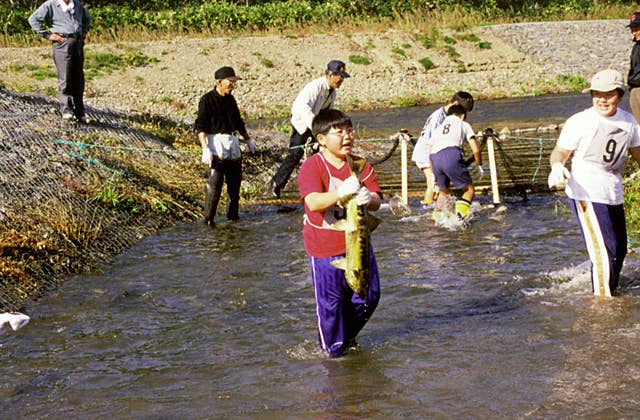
x,y
332,183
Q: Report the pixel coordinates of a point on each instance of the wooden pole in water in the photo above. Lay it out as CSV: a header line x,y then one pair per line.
x,y
493,171
405,179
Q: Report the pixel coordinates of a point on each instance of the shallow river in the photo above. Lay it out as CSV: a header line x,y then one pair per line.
x,y
494,321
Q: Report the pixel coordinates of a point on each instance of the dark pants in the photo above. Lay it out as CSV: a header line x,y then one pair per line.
x,y
230,172
604,232
289,163
68,57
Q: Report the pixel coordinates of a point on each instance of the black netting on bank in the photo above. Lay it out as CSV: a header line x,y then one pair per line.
x,y
72,195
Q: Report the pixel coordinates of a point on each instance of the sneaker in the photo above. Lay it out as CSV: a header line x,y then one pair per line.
x,y
67,116
83,119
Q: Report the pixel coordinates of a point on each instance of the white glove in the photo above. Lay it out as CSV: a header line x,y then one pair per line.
x,y
558,176
206,155
350,186
476,170
251,145
363,198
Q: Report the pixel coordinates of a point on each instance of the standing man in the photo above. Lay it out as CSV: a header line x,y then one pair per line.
x,y
633,79
216,126
65,23
598,140
317,95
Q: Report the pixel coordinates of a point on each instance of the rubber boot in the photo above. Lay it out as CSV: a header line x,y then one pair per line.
x,y
462,208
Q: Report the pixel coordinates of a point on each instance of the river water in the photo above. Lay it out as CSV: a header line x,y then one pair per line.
x,y
497,320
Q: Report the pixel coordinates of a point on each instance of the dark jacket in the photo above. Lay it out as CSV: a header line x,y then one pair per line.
x,y
219,115
633,79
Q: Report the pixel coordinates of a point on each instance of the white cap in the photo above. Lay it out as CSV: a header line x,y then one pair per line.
x,y
606,81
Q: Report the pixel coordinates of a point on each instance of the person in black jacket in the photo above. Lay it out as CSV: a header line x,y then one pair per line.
x,y
633,79
217,126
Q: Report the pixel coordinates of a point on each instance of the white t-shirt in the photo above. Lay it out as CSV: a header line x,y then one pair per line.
x,y
315,96
600,145
453,132
420,153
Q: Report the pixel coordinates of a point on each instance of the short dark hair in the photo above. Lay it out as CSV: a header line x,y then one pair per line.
x,y
464,99
458,110
328,119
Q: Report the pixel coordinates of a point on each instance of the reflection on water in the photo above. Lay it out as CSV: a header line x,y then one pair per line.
x,y
495,320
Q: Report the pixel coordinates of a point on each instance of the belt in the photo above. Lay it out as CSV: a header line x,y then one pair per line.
x,y
75,35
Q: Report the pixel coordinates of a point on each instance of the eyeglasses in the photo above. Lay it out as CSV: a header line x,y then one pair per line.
x,y
342,133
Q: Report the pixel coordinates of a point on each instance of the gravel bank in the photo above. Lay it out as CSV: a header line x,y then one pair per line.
x,y
524,59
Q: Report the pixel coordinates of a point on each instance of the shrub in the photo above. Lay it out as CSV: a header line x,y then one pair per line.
x,y
427,63
358,59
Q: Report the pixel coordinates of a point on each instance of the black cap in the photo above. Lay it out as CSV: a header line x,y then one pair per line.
x,y
337,67
226,72
634,20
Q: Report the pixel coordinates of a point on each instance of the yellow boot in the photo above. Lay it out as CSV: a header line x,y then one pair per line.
x,y
462,208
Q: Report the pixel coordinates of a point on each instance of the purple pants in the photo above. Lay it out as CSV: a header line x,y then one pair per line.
x,y
448,167
341,313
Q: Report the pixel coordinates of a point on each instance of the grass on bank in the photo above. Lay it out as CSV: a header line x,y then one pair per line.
x,y
291,18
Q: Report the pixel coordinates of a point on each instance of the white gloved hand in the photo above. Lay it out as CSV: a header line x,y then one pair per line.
x,y
363,198
558,176
350,186
480,172
206,155
251,145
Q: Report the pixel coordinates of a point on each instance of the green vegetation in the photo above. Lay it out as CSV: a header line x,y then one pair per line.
x,y
264,61
161,100
139,20
575,83
399,51
467,37
426,41
358,59
97,64
450,40
632,209
42,74
451,52
426,63
37,72
109,193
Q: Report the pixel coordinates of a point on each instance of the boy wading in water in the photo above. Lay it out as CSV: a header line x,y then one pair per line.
x,y
447,160
324,180
598,140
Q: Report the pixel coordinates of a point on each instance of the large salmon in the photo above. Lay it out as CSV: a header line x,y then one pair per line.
x,y
357,227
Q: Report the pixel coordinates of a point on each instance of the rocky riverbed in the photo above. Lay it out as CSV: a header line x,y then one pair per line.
x,y
498,61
